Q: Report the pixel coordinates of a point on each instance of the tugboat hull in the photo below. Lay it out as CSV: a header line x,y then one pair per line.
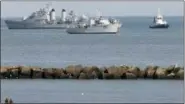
x,y
159,26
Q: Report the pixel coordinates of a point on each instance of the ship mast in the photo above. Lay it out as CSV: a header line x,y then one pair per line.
x,y
48,6
47,10
98,13
159,12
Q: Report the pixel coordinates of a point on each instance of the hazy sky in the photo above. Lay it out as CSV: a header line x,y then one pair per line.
x,y
107,8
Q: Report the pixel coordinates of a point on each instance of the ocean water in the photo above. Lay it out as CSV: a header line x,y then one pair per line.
x,y
93,91
136,44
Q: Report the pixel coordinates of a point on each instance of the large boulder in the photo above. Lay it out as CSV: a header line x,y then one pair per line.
x,y
90,69
92,72
108,76
123,76
117,71
75,70
104,70
27,71
130,76
141,74
180,74
123,69
134,70
97,72
161,73
174,72
47,73
65,75
171,76
114,71
150,71
83,76
4,69
176,69
35,72
94,75
57,73
8,74
170,69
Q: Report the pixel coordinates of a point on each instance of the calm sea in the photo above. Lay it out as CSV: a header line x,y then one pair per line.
x,y
96,91
136,44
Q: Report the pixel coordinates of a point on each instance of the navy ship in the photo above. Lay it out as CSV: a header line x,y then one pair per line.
x,y
96,26
45,19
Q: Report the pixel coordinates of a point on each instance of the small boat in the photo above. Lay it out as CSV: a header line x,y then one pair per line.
x,y
159,22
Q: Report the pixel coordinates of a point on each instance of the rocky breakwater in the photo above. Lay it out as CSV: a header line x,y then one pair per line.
x,y
92,72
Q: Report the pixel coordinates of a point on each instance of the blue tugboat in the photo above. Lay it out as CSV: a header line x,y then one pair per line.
x,y
159,22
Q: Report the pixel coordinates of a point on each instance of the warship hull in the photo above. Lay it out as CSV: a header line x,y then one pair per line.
x,y
28,25
113,29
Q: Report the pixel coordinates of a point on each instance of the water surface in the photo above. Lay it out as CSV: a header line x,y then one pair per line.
x,y
96,91
136,44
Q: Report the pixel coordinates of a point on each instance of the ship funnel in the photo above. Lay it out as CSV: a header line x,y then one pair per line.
x,y
63,15
52,15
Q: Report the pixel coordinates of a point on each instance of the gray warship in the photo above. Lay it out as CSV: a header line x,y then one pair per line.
x,y
96,26
45,19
